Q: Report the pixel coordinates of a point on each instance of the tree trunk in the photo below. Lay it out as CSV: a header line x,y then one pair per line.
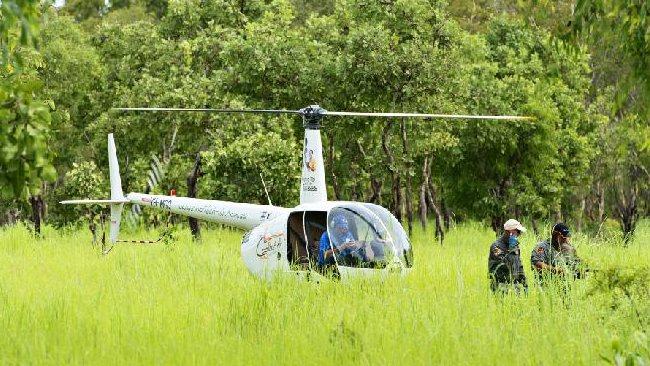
x,y
396,206
375,195
601,202
627,212
497,222
430,194
446,212
580,218
431,197
497,219
37,212
375,185
423,194
191,192
330,163
409,201
92,225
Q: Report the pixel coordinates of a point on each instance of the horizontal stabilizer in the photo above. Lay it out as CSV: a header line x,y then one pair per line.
x,y
91,202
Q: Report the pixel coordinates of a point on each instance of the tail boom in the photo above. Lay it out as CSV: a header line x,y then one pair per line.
x,y
240,215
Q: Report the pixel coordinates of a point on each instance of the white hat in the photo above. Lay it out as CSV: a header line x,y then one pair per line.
x,y
513,224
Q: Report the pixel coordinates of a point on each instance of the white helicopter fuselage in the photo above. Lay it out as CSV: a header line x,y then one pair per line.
x,y
278,238
344,238
301,239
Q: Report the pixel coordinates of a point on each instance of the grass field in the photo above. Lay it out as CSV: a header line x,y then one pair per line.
x,y
62,302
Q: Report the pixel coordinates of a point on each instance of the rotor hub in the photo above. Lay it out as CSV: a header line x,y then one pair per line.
x,y
311,116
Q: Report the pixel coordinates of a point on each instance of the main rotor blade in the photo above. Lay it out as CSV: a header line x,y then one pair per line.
x,y
322,112
424,115
205,110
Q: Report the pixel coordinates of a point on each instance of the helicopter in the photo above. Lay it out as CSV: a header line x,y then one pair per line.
x,y
318,236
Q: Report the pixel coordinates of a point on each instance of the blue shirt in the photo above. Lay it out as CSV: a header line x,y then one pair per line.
x,y
325,246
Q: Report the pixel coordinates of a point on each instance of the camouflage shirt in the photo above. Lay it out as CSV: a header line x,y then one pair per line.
x,y
504,265
565,257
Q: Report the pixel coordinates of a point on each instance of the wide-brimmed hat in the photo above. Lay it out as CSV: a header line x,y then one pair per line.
x,y
513,224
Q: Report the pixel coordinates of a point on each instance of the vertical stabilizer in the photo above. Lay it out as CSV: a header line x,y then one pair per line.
x,y
114,170
116,189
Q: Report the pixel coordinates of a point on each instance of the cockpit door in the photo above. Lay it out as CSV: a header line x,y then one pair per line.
x,y
305,230
360,240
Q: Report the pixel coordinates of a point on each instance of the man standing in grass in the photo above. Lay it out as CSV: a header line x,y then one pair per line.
x,y
504,261
557,257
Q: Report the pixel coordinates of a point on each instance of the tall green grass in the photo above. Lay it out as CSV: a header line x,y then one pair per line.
x,y
62,302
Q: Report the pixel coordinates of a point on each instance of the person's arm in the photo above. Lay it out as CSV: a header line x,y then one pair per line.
x,y
496,254
541,266
538,259
328,253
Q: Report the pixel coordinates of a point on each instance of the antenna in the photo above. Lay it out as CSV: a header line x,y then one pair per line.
x,y
265,190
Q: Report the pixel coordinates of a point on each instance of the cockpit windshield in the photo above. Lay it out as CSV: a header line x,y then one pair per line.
x,y
400,238
366,236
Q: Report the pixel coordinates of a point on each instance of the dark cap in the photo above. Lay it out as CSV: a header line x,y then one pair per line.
x,y
561,228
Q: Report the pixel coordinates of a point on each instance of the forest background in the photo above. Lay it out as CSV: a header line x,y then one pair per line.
x,y
580,68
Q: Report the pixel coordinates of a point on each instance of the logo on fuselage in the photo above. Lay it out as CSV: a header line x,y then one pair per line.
x,y
269,243
308,157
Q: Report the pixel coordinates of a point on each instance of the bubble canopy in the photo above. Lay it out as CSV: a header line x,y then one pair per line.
x,y
364,235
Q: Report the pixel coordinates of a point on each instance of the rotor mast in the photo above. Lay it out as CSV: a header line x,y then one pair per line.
x,y
312,182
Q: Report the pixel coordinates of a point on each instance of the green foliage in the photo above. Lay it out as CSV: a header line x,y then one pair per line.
x,y
84,9
84,180
626,20
157,7
25,160
235,169
73,78
19,26
625,357
625,288
407,55
523,167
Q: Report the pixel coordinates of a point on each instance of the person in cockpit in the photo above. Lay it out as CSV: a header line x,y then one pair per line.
x,y
343,244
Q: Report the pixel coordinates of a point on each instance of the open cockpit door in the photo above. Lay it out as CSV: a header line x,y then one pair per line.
x,y
305,229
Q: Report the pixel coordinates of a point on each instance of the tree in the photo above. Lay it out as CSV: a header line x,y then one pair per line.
x,y
237,166
628,21
85,9
522,168
614,31
400,56
82,181
157,7
73,78
25,161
